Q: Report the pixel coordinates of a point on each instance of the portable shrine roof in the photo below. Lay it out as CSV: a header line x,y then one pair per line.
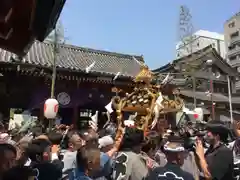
x,y
77,59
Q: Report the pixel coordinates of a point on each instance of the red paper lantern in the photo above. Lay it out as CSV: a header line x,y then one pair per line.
x,y
51,108
195,116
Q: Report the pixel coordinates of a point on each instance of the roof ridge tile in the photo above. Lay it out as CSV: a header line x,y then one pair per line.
x,y
92,50
42,54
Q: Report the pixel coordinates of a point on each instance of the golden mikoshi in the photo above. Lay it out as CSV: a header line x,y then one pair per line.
x,y
146,101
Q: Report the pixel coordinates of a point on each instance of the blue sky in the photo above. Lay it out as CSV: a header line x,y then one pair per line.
x,y
147,27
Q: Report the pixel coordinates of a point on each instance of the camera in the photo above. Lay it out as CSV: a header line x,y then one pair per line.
x,y
190,135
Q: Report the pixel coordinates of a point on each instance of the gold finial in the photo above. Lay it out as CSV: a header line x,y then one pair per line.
x,y
144,75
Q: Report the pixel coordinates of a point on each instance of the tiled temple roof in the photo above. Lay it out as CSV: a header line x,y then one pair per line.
x,y
75,58
217,97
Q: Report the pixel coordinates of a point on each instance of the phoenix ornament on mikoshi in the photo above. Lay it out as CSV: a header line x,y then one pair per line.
x,y
146,101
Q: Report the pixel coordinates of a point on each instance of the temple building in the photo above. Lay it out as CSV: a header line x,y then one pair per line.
x,y
204,79
85,82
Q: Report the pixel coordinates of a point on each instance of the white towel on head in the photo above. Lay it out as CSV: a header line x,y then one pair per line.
x,y
169,131
105,141
4,137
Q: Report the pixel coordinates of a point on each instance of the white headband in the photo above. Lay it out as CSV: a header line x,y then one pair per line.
x,y
177,149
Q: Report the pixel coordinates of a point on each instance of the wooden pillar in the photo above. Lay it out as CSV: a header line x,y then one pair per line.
x,y
41,115
75,116
75,109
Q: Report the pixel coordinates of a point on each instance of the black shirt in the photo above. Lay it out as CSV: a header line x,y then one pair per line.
x,y
48,171
169,172
220,162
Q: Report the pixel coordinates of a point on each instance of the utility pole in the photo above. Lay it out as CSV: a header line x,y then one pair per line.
x,y
54,69
187,42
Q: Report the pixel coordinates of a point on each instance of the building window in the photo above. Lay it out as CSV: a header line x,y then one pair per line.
x,y
231,25
223,90
231,47
233,35
232,58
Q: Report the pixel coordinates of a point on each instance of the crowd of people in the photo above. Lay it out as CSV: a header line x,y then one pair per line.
x,y
125,153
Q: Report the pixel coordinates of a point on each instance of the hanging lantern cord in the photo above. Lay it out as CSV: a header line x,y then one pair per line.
x,y
54,72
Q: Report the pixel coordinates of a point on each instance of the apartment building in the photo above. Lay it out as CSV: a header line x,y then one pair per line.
x,y
232,40
200,40
232,43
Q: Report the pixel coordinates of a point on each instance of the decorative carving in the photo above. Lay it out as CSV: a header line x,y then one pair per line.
x,y
146,101
145,75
